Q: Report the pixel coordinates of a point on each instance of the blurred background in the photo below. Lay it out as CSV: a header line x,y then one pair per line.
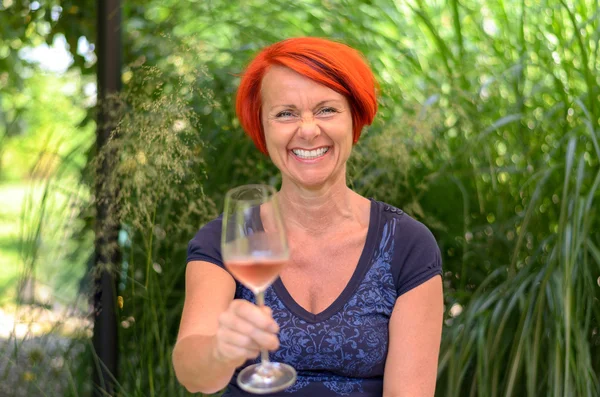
x,y
487,132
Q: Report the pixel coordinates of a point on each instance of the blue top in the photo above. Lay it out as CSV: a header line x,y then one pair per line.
x,y
342,350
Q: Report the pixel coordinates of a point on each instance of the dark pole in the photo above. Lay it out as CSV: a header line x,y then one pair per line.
x,y
107,228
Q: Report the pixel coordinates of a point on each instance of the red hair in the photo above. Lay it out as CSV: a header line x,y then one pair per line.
x,y
332,64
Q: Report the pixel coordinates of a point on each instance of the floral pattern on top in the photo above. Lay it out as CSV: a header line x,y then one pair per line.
x,y
350,345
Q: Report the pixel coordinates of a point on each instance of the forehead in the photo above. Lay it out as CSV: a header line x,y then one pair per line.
x,y
281,84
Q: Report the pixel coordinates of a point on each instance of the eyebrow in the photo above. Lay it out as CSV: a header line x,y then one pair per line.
x,y
316,106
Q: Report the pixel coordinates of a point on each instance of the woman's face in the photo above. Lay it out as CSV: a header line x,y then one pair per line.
x,y
308,128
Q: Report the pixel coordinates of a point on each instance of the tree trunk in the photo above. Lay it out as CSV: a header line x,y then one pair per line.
x,y
107,257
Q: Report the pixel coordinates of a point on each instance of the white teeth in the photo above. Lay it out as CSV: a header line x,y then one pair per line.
x,y
310,154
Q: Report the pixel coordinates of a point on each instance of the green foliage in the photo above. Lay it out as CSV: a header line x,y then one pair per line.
x,y
487,132
50,129
156,158
24,25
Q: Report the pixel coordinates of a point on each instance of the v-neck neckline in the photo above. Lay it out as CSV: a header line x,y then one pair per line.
x,y
362,266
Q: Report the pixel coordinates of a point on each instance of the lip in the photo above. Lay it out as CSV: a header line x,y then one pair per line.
x,y
310,161
312,148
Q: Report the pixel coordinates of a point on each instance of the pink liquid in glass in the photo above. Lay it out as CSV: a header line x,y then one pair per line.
x,y
255,274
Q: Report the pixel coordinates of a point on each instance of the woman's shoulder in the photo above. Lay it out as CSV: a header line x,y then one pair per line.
x,y
416,255
407,226
387,210
214,225
206,244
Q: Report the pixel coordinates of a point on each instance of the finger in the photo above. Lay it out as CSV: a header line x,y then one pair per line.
x,y
252,354
234,322
239,332
274,327
267,310
265,340
256,315
232,353
234,338
237,354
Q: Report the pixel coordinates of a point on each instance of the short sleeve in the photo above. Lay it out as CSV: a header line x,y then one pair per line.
x,y
417,256
206,244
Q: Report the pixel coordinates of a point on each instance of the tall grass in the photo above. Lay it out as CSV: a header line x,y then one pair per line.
x,y
535,333
529,327
45,349
487,132
158,182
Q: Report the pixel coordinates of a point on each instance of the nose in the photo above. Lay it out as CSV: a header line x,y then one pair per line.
x,y
309,129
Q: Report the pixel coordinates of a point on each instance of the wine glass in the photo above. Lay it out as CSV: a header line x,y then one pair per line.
x,y
254,248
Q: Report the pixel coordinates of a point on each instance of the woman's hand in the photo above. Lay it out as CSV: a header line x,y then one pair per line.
x,y
243,330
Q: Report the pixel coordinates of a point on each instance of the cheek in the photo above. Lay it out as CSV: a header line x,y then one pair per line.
x,y
278,136
270,138
346,134
276,144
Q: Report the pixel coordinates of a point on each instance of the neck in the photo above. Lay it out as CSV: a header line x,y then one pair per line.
x,y
317,210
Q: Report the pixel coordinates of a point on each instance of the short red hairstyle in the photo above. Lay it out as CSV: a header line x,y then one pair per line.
x,y
327,62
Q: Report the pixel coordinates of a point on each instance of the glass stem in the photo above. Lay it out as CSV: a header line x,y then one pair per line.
x,y
260,301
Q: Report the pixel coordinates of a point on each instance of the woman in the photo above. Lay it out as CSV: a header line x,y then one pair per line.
x,y
358,309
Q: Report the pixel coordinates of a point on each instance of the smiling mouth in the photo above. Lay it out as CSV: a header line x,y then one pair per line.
x,y
310,154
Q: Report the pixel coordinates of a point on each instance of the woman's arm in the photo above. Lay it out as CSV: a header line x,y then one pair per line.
x,y
217,333
415,335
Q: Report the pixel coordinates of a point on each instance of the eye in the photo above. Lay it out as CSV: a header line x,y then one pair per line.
x,y
284,114
327,111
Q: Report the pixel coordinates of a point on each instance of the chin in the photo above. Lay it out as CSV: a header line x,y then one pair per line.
x,y
312,185
315,182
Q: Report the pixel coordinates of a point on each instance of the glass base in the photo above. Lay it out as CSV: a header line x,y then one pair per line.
x,y
266,378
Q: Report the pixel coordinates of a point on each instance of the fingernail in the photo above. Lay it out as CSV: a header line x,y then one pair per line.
x,y
274,327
